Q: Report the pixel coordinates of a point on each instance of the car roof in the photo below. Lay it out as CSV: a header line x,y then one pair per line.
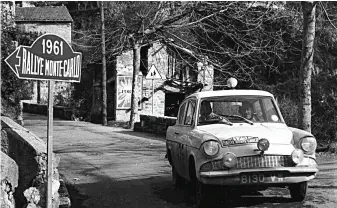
x,y
217,93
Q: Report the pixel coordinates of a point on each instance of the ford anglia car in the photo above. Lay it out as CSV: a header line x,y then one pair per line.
x,y
238,138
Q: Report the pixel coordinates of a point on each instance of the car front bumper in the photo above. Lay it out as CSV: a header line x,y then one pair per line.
x,y
234,177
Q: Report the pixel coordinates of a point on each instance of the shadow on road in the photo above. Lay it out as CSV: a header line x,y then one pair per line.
x,y
143,134
157,191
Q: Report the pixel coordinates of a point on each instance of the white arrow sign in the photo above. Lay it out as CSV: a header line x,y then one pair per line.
x,y
153,73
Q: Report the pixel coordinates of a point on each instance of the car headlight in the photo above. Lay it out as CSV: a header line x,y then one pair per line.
x,y
263,144
211,148
308,144
229,160
297,156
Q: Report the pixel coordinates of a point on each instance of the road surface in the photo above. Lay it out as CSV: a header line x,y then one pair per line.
x,y
108,167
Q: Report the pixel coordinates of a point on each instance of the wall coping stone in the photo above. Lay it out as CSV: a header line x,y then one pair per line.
x,y
154,124
157,116
34,141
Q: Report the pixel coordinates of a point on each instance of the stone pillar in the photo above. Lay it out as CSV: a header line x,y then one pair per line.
x,y
20,116
34,96
38,100
205,75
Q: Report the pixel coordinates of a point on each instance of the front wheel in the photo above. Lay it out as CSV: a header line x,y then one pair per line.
x,y
298,191
202,194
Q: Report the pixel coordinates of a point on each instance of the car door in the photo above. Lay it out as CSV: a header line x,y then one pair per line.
x,y
176,140
184,133
187,135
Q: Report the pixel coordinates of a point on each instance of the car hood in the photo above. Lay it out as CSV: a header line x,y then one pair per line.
x,y
276,133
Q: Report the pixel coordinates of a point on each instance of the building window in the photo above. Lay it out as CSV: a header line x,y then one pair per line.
x,y
144,51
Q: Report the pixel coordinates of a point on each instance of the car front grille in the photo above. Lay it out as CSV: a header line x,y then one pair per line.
x,y
266,161
256,161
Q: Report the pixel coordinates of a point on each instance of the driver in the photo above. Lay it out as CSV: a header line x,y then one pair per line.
x,y
206,112
246,111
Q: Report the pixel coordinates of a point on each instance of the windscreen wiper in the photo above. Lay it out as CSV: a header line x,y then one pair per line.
x,y
243,118
217,120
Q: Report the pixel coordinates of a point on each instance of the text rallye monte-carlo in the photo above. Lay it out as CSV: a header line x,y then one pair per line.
x,y
238,138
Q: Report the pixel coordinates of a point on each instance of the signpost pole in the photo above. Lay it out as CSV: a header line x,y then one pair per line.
x,y
44,53
152,95
50,143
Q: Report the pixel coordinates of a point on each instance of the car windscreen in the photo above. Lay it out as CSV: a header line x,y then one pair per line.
x,y
239,108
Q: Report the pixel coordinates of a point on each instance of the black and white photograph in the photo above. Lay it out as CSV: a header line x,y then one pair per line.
x,y
169,104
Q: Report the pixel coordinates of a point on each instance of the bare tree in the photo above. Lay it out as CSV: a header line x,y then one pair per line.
x,y
234,35
134,95
309,21
189,23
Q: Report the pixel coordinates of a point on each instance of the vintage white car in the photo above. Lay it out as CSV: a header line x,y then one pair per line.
x,y
238,138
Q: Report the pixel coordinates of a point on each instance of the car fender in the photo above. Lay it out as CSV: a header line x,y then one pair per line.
x,y
192,156
298,134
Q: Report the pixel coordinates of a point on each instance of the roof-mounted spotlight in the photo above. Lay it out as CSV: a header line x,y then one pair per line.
x,y
232,82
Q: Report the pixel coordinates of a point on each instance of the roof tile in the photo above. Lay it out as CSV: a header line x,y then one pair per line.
x,y
44,14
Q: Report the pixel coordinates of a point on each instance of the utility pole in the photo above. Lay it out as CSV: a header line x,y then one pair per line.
x,y
104,100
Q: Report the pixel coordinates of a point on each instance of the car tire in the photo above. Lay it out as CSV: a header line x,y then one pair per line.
x,y
202,194
298,191
177,180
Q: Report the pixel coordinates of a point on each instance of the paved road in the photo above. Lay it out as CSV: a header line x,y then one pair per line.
x,y
110,167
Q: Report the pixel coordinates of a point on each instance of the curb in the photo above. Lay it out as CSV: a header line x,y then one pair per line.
x,y
64,195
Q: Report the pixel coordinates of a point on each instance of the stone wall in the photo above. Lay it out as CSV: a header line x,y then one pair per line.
x,y
30,154
158,57
154,124
61,29
205,76
42,109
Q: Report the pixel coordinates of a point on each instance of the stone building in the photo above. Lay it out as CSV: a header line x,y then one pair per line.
x,y
41,20
179,74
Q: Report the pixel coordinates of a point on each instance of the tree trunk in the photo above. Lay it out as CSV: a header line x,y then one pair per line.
x,y
38,87
309,20
135,90
104,100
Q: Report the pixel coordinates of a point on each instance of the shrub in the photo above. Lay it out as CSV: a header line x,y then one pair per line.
x,y
289,110
323,120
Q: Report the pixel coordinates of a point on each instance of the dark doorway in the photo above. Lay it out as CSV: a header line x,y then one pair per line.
x,y
172,102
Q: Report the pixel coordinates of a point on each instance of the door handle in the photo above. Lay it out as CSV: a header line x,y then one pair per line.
x,y
176,133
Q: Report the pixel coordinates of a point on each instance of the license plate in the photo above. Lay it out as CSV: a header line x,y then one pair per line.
x,y
261,178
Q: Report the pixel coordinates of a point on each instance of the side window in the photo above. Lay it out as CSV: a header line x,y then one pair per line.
x,y
270,111
190,113
181,113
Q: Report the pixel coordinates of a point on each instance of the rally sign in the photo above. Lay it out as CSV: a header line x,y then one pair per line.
x,y
50,57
